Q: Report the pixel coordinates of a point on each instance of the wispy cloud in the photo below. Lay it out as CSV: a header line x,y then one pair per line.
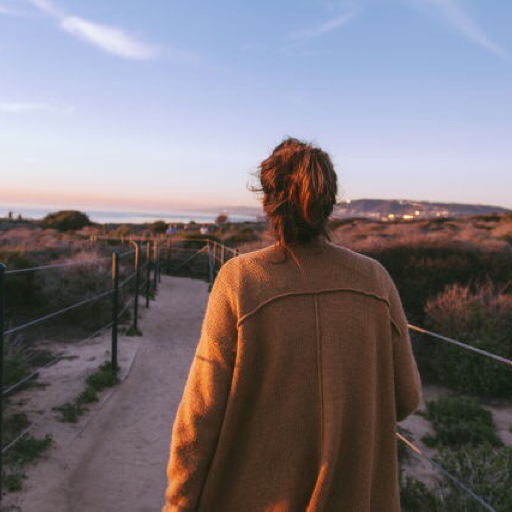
x,y
455,15
323,28
13,107
48,7
110,39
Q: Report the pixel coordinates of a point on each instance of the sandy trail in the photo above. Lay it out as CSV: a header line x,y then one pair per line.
x,y
118,462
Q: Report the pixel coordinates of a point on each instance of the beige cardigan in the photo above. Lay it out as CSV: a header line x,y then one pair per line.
x,y
302,370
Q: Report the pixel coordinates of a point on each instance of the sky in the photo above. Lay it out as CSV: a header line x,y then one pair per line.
x,y
130,104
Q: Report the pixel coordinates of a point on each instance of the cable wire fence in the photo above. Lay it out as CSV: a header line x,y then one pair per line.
x,y
89,288
197,257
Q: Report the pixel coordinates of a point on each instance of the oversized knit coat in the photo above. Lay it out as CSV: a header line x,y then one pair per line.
x,y
303,368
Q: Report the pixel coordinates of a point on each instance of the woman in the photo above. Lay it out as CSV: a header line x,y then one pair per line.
x,y
302,370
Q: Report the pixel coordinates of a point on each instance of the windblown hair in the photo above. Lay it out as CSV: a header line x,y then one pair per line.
x,y
299,188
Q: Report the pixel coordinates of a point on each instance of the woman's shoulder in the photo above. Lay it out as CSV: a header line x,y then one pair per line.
x,y
367,272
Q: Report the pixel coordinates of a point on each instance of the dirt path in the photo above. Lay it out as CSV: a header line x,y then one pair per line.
x,y
118,462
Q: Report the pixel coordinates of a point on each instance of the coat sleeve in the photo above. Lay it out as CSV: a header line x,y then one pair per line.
x,y
201,411
408,394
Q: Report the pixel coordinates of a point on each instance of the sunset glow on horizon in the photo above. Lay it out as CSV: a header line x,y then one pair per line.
x,y
118,106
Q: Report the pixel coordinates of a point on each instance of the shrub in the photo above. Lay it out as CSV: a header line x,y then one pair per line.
x,y
222,218
485,470
415,496
123,230
422,269
101,379
158,227
64,286
245,235
16,362
481,317
21,290
67,220
459,422
27,449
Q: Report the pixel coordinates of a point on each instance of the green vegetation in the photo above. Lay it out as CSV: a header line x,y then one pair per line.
x,y
460,422
27,449
24,451
20,289
132,331
101,379
67,220
159,227
16,364
415,496
469,449
485,470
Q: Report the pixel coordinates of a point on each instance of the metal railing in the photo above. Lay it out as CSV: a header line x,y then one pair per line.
x,y
142,285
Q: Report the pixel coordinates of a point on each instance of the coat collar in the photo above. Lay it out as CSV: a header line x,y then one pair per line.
x,y
278,254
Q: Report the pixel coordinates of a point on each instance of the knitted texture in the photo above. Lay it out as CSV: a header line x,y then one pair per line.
x,y
303,368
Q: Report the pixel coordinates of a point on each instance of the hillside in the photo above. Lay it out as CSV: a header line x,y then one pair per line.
x,y
384,208
389,208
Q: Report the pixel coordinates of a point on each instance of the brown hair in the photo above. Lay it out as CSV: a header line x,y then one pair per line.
x,y
299,188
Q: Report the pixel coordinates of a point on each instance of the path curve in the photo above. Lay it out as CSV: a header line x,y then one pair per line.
x,y
118,463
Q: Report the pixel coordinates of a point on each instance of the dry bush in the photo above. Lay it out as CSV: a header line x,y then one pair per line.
x,y
503,230
43,244
422,267
90,275
482,317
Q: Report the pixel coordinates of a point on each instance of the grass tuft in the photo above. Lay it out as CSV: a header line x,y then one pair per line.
x,y
101,379
459,422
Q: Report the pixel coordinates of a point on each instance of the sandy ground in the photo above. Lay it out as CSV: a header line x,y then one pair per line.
x,y
114,460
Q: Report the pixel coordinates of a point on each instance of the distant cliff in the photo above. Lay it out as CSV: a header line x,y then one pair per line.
x,y
388,209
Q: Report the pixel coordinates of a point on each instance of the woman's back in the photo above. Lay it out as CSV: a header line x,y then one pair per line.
x,y
318,355
303,367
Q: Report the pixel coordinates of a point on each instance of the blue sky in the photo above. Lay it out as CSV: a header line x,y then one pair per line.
x,y
171,103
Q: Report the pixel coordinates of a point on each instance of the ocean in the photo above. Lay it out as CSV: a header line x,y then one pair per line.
x,y
122,217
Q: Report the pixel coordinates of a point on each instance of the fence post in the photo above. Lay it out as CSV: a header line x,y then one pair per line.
x,y
137,285
210,268
155,265
168,260
214,257
208,259
222,254
2,316
148,272
158,266
115,307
